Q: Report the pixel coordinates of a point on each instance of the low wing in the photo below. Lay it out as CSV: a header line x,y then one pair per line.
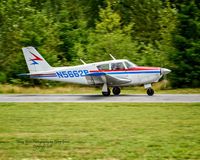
x,y
101,78
116,80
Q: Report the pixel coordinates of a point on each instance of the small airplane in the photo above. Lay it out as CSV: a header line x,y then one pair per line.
x,y
114,73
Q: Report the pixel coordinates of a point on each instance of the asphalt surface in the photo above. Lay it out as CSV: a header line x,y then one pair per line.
x,y
165,98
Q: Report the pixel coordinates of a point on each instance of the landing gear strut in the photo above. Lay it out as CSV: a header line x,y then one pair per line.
x,y
106,93
150,91
116,90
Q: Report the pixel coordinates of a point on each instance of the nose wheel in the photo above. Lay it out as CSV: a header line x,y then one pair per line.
x,y
150,91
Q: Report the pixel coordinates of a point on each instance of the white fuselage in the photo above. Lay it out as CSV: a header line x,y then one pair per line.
x,y
89,74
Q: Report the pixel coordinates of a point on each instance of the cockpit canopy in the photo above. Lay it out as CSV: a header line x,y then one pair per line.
x,y
116,65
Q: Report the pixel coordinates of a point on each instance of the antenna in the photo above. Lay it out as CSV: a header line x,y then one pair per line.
x,y
112,57
82,61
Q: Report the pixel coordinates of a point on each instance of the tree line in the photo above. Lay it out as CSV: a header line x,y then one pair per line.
x,y
163,33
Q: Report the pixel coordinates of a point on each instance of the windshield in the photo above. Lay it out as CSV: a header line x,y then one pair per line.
x,y
130,64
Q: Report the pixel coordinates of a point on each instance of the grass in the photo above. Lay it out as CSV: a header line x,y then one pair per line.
x,y
101,131
71,89
78,89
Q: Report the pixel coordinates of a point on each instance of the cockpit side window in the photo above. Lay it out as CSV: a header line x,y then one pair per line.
x,y
117,66
103,67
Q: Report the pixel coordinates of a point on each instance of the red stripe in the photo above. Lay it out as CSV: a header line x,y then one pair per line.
x,y
129,69
107,70
143,68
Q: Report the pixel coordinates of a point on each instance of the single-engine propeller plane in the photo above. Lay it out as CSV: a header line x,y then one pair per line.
x,y
114,73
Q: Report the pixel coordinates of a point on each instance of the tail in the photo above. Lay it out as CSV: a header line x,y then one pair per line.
x,y
34,60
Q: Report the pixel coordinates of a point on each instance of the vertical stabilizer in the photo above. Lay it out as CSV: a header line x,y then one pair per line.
x,y
34,60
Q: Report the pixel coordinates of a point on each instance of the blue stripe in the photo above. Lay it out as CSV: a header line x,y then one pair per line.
x,y
137,72
96,74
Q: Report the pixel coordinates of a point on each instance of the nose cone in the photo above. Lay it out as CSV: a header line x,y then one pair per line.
x,y
165,71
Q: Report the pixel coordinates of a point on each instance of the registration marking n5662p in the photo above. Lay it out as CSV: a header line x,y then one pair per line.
x,y
72,73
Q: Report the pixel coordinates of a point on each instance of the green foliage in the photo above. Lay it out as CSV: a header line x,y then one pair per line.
x,y
145,15
168,23
186,69
148,32
2,77
110,37
23,26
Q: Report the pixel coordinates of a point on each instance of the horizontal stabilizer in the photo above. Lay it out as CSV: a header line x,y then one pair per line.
x,y
24,74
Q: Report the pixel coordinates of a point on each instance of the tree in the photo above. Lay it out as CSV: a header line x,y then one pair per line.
x,y
148,32
154,22
110,37
144,14
186,69
168,23
23,26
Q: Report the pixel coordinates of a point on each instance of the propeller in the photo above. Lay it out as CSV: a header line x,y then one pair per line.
x,y
164,72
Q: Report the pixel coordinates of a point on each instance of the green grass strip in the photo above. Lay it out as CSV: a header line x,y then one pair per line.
x,y
103,131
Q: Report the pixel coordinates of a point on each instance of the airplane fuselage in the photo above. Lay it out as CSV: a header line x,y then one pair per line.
x,y
88,74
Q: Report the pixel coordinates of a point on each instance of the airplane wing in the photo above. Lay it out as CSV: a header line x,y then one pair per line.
x,y
116,80
101,77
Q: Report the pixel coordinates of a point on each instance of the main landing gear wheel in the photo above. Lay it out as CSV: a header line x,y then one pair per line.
x,y
116,90
106,93
150,91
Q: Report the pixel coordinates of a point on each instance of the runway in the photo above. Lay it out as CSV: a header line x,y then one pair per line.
x,y
163,98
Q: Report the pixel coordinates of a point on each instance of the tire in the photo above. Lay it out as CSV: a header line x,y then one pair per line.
x,y
150,91
106,93
116,90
